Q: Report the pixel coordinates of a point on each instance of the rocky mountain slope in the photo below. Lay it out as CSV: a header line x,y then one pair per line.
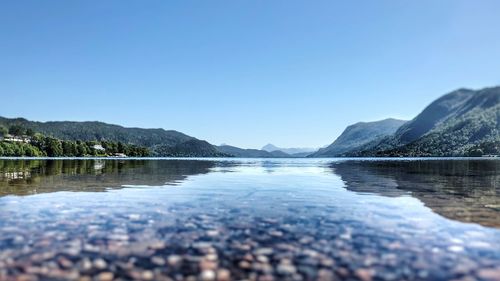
x,y
461,123
356,136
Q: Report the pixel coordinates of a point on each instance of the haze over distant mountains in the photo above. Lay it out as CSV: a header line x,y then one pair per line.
x,y
462,123
251,153
304,150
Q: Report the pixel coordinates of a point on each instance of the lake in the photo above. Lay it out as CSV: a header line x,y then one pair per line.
x,y
250,219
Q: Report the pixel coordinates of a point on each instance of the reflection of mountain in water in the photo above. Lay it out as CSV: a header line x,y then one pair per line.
x,y
25,177
463,190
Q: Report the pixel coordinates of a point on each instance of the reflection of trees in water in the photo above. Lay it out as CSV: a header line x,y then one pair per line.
x,y
24,177
464,190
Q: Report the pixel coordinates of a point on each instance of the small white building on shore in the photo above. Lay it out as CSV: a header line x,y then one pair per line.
x,y
98,147
12,138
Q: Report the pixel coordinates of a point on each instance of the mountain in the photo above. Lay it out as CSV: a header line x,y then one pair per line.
x,y
462,123
292,151
270,147
250,153
447,107
300,154
190,148
161,142
357,135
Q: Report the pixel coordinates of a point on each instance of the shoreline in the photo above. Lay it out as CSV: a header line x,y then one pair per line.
x,y
258,158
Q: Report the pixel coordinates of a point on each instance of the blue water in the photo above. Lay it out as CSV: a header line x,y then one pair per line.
x,y
295,219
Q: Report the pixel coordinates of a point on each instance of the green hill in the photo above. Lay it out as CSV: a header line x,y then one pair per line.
x,y
159,141
461,123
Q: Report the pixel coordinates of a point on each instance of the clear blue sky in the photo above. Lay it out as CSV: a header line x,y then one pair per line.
x,y
246,73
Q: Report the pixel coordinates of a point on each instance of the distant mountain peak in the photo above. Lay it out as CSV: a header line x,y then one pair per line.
x,y
294,150
270,147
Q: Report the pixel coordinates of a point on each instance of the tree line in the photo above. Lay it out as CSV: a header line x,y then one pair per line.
x,y
46,146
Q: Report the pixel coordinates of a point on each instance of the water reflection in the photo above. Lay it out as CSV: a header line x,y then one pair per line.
x,y
27,177
463,190
249,220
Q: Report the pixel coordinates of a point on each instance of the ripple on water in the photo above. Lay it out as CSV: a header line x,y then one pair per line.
x,y
272,219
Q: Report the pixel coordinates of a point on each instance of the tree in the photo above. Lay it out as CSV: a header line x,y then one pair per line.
x,y
476,152
16,130
18,150
38,140
8,149
31,151
69,148
30,132
81,149
121,148
53,147
3,131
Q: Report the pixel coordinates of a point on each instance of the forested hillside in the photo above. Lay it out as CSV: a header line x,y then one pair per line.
x,y
17,141
461,123
159,142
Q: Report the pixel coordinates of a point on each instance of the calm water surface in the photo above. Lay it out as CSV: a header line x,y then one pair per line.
x,y
240,219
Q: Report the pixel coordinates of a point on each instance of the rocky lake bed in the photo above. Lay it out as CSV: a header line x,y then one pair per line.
x,y
241,219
